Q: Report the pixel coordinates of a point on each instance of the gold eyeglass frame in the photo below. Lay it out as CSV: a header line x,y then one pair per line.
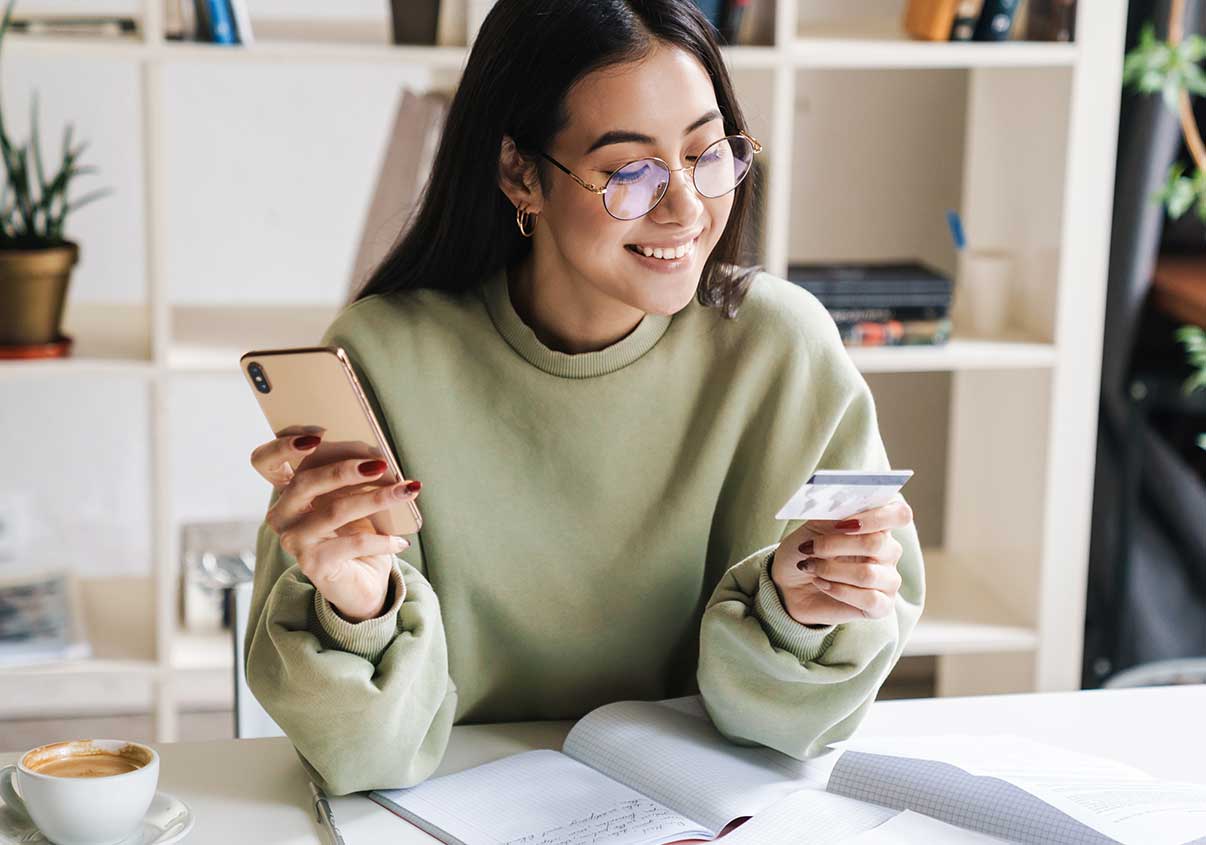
x,y
595,189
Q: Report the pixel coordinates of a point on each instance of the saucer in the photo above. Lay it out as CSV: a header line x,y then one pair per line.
x,y
168,819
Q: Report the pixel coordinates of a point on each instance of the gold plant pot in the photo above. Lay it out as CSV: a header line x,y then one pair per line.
x,y
33,291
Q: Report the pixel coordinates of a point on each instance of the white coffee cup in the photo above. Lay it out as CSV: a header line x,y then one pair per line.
x,y
89,806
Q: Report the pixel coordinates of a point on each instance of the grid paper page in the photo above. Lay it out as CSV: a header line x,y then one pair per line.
x,y
1121,802
809,817
948,793
535,798
909,828
683,762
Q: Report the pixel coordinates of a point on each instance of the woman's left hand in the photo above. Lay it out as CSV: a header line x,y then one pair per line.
x,y
847,572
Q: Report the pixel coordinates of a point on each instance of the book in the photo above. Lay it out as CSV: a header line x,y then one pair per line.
x,y
758,24
967,13
41,619
905,313
656,772
1051,20
219,22
730,21
418,21
713,10
930,20
996,20
96,25
242,22
629,773
883,285
895,332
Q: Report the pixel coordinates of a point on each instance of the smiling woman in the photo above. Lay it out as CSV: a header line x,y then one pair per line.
x,y
649,81
606,413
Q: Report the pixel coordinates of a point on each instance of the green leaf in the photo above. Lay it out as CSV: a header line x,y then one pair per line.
x,y
1171,92
85,199
1195,80
35,138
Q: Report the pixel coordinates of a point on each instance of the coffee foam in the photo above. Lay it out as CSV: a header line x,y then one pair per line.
x,y
85,758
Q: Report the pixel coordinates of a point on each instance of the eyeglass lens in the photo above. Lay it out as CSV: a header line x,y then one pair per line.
x,y
635,188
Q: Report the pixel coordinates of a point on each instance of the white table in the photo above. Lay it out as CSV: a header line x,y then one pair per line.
x,y
254,790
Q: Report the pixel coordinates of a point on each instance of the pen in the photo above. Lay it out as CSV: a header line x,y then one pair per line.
x,y
324,816
956,226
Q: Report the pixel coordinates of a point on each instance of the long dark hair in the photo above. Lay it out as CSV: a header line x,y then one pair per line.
x,y
527,55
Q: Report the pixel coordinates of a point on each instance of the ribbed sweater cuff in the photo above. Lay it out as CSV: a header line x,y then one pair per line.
x,y
805,643
368,639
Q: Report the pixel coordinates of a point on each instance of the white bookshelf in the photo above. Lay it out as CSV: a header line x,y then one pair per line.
x,y
1007,581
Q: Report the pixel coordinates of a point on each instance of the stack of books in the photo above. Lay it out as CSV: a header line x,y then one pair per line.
x,y
881,304
990,20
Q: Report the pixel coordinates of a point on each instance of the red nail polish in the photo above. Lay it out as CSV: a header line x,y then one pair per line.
x,y
306,441
806,547
801,565
372,467
848,525
413,486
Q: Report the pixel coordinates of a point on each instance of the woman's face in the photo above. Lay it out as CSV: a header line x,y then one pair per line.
x,y
668,97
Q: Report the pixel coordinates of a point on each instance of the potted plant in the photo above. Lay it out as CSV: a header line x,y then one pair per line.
x,y
35,257
1172,68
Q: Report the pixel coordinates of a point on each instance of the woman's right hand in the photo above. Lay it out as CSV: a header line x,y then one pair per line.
x,y
326,527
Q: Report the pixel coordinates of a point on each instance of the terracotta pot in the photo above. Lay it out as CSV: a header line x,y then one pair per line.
x,y
33,291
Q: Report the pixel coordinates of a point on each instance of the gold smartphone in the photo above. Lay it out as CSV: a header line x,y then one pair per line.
x,y
314,390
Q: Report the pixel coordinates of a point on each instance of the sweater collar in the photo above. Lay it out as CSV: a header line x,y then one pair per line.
x,y
520,337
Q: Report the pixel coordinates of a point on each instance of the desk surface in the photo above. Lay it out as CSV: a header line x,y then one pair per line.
x,y
254,790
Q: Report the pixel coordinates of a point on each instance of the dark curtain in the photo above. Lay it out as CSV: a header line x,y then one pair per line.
x,y
1157,608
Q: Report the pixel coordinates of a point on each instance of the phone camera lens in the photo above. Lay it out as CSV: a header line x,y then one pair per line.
x,y
258,378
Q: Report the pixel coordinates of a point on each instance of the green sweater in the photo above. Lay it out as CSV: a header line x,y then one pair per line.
x,y
597,527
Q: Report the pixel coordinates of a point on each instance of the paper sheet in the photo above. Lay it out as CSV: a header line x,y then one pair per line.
x,y
682,761
809,817
536,798
909,828
1118,801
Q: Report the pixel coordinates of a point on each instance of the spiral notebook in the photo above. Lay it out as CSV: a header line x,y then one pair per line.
x,y
652,773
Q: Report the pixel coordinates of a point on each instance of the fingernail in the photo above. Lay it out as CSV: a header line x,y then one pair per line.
x,y
399,543
805,565
413,486
806,547
848,525
372,467
402,491
306,441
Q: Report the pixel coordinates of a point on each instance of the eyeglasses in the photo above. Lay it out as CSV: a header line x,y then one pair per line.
x,y
636,188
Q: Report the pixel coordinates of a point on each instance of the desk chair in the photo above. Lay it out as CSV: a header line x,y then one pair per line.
x,y
251,720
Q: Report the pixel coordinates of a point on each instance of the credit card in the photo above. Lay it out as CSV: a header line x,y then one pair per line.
x,y
840,494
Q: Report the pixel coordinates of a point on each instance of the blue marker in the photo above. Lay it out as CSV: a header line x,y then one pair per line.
x,y
952,220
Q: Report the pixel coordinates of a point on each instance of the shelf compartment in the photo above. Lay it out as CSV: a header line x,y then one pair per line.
x,y
107,338
881,43
962,616
211,339
118,677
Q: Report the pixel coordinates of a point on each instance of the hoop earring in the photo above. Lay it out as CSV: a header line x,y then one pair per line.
x,y
522,218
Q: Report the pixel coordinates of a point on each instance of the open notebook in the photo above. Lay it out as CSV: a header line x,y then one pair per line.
x,y
649,773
